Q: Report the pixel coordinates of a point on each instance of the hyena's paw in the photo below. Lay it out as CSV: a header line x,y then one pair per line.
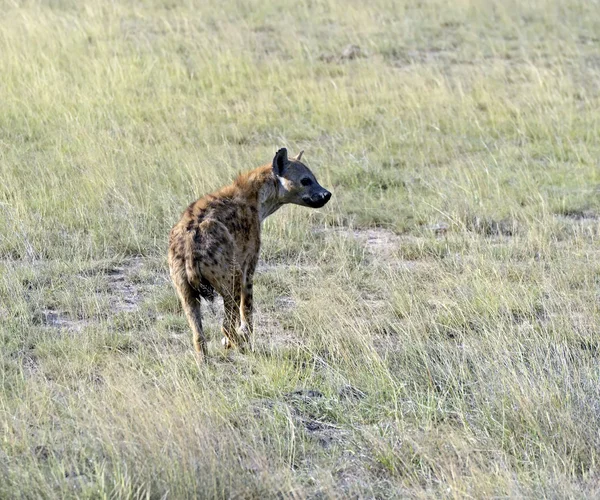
x,y
245,335
244,332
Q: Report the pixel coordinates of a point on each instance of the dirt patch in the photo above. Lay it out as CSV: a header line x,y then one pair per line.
x,y
124,286
269,334
579,215
58,319
379,241
285,303
127,295
487,226
376,241
307,410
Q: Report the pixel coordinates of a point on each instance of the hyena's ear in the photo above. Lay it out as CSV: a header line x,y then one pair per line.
x,y
298,156
280,161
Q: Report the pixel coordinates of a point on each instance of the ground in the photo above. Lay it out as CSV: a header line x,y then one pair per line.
x,y
431,332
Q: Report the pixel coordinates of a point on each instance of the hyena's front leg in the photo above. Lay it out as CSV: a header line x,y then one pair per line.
x,y
230,322
246,305
231,319
246,325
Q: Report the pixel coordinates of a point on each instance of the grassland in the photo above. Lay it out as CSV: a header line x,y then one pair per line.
x,y
432,332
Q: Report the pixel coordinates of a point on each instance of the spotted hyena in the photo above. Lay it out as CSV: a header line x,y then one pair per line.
x,y
215,245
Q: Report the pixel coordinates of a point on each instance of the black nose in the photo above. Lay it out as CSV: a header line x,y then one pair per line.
x,y
326,195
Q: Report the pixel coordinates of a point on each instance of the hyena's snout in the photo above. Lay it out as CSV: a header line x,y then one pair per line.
x,y
317,198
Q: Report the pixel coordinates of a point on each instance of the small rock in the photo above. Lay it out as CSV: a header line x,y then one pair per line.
x,y
305,394
439,228
328,58
313,425
349,392
42,452
352,52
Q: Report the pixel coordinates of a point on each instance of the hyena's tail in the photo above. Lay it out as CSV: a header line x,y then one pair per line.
x,y
192,268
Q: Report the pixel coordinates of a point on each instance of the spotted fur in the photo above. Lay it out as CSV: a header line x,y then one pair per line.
x,y
215,245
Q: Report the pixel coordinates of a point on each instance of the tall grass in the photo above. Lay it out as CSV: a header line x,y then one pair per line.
x,y
432,332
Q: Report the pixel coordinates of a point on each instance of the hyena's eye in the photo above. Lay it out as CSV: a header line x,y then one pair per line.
x,y
307,181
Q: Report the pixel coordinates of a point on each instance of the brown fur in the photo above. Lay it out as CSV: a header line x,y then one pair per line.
x,y
215,244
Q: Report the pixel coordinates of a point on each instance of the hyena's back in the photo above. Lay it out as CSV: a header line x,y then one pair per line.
x,y
211,245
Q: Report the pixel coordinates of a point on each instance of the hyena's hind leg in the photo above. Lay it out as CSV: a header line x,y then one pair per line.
x,y
190,302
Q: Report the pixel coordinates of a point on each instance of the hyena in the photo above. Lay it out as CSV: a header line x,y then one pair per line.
x,y
215,245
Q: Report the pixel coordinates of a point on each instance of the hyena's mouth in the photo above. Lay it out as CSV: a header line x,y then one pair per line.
x,y
317,201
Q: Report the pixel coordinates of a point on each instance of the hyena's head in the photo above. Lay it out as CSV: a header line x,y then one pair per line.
x,y
297,183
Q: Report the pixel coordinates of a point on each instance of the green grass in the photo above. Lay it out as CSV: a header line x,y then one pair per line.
x,y
432,332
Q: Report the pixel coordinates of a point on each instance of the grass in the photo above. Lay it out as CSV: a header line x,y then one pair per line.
x,y
431,332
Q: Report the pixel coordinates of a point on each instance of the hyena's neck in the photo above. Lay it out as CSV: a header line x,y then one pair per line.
x,y
268,201
260,187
